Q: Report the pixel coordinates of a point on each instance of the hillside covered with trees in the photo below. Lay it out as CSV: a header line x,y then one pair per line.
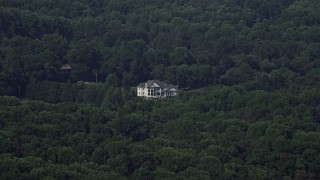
x,y
212,133
190,43
251,69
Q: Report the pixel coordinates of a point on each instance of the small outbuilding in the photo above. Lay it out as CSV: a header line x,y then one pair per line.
x,y
65,67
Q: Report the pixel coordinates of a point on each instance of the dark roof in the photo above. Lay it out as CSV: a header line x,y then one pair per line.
x,y
160,83
65,67
170,86
141,85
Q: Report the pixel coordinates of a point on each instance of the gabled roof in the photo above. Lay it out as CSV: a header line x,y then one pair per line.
x,y
162,85
141,85
170,87
65,67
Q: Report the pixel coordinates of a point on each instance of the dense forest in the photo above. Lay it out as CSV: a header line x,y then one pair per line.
x,y
189,43
249,105
212,133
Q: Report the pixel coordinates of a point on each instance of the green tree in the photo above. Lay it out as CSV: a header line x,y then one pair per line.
x,y
112,80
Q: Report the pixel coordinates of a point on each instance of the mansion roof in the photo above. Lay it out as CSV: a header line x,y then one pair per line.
x,y
161,84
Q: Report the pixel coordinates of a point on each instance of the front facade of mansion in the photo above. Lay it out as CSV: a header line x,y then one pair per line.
x,y
155,89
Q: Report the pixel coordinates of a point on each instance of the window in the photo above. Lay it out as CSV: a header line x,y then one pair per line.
x,y
151,92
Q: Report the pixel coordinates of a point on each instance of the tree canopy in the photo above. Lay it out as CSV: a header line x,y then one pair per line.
x,y
248,109
206,43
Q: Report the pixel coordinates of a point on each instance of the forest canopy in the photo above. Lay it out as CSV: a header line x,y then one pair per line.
x,y
189,43
249,107
213,133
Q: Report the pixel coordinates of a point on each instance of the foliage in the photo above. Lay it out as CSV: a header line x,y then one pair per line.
x,y
248,70
212,133
193,44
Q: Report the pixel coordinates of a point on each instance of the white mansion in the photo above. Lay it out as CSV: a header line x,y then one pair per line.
x,y
155,89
